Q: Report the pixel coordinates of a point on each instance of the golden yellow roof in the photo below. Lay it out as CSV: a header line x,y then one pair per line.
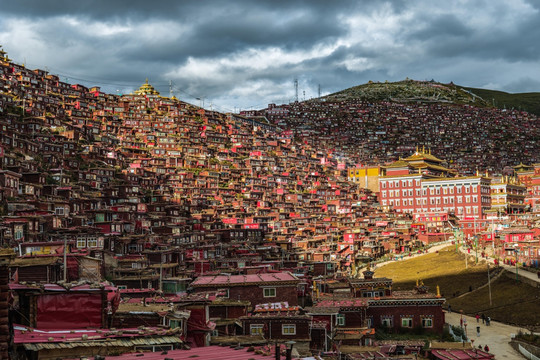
x,y
523,168
146,89
419,155
397,164
424,165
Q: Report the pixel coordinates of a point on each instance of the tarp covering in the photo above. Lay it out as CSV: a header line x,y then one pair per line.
x,y
69,311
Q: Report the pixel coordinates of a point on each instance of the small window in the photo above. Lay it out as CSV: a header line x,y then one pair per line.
x,y
81,243
288,329
270,292
427,323
406,322
341,320
386,322
173,324
256,329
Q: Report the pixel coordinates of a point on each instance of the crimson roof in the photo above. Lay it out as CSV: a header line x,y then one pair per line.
x,y
354,302
26,335
206,353
462,354
243,279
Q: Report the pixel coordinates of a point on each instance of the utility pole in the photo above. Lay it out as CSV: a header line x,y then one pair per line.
x,y
296,90
517,252
319,90
65,260
201,102
476,247
489,286
170,89
161,273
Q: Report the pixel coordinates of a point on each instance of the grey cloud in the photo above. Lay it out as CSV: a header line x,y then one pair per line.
x,y
427,41
523,84
447,25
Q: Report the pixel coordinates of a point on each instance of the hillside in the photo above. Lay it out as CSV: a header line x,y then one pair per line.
x,y
87,149
376,123
410,91
529,102
433,92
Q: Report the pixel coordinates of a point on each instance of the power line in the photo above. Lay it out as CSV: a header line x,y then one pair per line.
x,y
90,79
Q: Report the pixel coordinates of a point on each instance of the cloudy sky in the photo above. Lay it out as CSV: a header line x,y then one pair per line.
x,y
247,53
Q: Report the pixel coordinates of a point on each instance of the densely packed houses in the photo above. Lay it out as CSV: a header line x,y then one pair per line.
x,y
371,133
173,226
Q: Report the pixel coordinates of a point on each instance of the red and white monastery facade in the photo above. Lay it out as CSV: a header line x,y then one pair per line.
x,y
421,184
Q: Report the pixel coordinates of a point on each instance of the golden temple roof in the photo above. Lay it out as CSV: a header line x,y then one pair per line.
x,y
523,168
146,89
397,164
419,155
425,165
3,55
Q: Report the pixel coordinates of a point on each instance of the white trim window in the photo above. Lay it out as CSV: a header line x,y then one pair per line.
x,y
81,243
427,322
406,322
92,242
288,329
340,320
269,292
256,329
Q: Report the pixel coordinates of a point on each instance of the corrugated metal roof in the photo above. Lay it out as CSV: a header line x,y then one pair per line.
x,y
108,342
206,353
221,280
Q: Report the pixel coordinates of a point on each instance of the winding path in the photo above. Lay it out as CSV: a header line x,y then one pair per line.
x,y
497,336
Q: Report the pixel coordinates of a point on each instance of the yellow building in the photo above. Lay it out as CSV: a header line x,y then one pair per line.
x,y
366,177
507,195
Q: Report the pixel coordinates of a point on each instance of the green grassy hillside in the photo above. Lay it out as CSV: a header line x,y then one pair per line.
x,y
430,91
529,102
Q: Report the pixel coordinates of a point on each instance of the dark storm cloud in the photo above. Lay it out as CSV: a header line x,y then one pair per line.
x,y
168,9
509,38
227,33
248,52
440,27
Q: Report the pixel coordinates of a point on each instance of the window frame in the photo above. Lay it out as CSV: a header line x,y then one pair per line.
x,y
387,322
288,332
407,319
340,320
258,327
427,326
81,243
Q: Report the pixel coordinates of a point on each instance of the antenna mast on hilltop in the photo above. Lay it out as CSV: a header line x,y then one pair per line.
x,y
170,89
319,90
296,90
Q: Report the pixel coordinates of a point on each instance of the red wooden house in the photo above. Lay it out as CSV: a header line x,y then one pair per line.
x,y
255,288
